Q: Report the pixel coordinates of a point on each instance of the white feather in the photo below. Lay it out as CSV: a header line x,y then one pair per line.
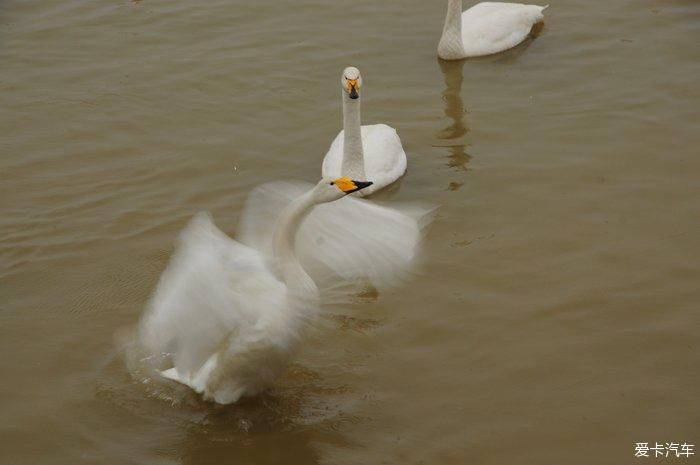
x,y
217,295
384,157
354,238
486,28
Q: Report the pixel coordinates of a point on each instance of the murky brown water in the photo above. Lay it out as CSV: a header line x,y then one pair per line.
x,y
556,319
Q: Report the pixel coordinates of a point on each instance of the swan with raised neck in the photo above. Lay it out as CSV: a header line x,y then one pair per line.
x,y
360,152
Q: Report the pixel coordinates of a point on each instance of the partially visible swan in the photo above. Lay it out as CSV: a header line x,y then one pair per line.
x,y
231,316
486,28
363,152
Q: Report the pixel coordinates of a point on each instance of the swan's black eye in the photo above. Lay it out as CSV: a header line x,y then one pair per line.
x,y
332,183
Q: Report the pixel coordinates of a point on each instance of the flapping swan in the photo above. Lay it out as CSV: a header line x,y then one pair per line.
x,y
486,28
363,152
230,316
350,241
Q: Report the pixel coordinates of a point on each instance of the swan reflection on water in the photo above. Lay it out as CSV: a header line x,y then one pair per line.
x,y
454,109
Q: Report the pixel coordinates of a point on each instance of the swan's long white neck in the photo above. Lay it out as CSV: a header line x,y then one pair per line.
x,y
451,45
283,244
353,165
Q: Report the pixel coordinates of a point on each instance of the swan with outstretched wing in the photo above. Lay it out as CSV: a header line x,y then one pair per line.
x,y
230,316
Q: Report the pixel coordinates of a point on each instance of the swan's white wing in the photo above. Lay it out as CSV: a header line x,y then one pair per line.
x,y
212,288
491,27
352,238
385,159
358,239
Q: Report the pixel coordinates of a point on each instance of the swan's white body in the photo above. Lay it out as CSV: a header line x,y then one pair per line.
x,y
486,28
230,315
363,152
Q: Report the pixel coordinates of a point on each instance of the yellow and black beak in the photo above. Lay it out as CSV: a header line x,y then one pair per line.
x,y
349,186
353,87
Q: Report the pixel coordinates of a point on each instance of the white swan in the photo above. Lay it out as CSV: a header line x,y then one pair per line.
x,y
363,152
230,316
486,28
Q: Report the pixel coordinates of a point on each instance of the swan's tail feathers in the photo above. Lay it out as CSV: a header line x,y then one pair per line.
x,y
544,7
198,381
172,374
195,383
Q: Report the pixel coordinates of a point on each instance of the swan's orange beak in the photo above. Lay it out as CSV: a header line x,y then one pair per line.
x,y
349,186
352,88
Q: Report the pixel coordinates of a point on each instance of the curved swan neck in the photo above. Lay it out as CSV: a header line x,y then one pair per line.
x,y
353,164
283,241
451,46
